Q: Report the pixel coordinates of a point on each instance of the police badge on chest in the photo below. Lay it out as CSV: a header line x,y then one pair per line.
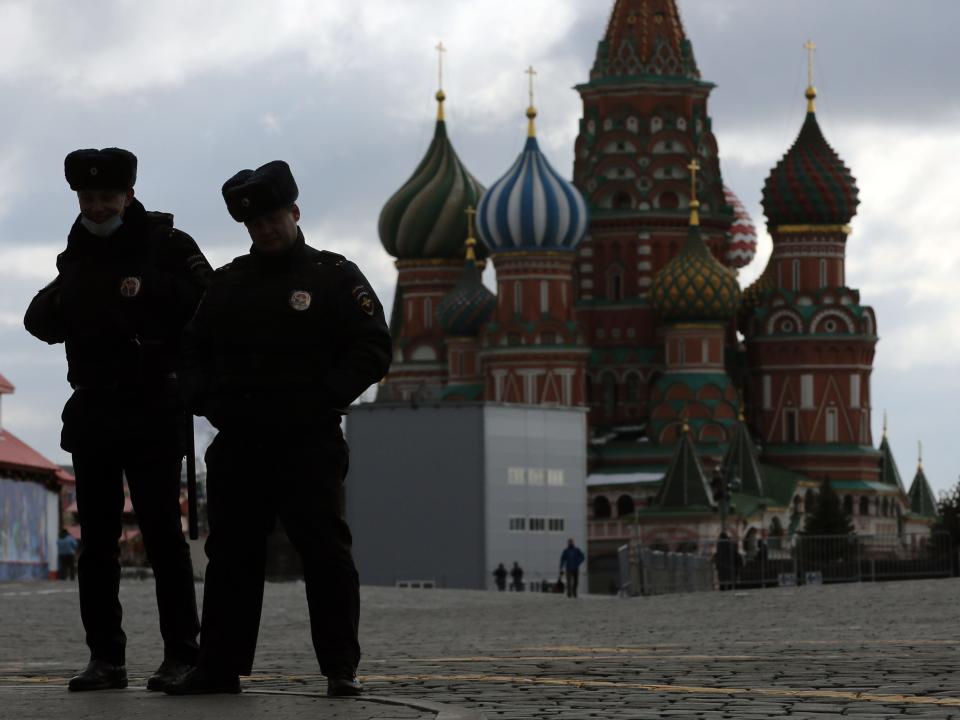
x,y
130,286
300,299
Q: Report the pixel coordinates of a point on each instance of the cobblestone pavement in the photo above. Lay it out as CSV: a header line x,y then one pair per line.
x,y
864,650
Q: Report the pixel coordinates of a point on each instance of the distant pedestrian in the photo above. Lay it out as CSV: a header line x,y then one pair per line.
x,y
516,575
727,561
570,561
500,577
67,556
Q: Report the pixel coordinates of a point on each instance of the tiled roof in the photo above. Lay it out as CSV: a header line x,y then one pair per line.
x,y
17,455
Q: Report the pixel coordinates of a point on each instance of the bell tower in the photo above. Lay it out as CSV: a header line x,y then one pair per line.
x,y
644,116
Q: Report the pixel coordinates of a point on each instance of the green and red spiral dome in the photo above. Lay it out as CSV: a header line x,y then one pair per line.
x,y
810,185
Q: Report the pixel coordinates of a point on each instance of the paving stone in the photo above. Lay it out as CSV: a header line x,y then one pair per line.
x,y
444,646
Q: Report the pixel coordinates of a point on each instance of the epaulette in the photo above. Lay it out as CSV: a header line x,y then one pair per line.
x,y
155,217
326,257
223,268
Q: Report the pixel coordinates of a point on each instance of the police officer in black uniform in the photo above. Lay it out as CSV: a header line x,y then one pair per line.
x,y
285,339
128,283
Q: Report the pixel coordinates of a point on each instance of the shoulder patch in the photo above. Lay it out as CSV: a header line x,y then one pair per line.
x,y
363,297
330,258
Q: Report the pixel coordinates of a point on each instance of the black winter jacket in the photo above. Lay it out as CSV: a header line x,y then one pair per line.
x,y
283,341
120,303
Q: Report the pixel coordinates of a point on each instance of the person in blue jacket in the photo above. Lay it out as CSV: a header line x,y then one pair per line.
x,y
570,562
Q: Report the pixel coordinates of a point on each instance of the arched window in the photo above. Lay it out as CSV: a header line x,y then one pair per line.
x,y
864,505
633,388
848,505
601,507
609,394
621,201
669,201
624,506
615,282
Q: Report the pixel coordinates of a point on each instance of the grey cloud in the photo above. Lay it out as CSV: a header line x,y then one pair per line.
x,y
354,135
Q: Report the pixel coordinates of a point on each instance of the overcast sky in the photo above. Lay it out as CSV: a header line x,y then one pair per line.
x,y
344,92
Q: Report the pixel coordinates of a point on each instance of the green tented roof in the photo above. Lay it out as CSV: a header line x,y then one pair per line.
x,y
741,461
684,485
889,474
922,501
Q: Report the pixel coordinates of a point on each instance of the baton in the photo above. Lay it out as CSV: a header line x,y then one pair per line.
x,y
191,478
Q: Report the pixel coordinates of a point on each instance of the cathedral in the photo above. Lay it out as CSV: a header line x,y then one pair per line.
x,y
617,296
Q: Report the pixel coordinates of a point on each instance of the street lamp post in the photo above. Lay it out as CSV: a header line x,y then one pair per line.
x,y
722,486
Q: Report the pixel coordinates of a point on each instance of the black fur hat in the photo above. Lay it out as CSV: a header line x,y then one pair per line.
x,y
250,193
107,169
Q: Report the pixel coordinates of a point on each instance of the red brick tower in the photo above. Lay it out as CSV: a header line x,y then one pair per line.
x,y
810,343
644,116
695,297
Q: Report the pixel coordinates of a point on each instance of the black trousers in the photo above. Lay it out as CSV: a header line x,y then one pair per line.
x,y
573,580
67,565
252,480
154,482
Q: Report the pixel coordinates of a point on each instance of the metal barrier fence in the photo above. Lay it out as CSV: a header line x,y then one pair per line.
x,y
688,566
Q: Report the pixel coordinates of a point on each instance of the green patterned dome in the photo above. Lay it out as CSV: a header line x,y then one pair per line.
x,y
469,304
425,218
810,185
695,286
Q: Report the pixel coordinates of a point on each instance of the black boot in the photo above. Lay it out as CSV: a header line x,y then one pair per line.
x,y
99,675
345,685
168,671
198,681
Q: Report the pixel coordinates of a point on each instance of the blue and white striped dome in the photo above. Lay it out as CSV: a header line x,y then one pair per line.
x,y
531,207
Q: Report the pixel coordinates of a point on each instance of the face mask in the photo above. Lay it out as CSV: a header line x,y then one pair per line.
x,y
107,227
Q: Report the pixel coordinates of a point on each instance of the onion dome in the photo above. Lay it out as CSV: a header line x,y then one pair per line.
x,y
695,285
741,241
810,185
425,218
469,304
532,208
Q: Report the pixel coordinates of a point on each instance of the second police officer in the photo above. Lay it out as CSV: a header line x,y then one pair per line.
x,y
284,340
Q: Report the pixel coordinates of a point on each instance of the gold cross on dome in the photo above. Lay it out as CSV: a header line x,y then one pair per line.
x,y
810,48
470,212
693,167
471,240
531,72
440,51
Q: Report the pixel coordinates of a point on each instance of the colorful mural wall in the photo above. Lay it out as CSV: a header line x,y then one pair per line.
x,y
23,530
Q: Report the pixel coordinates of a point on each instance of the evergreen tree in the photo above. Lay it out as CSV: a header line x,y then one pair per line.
x,y
828,517
948,521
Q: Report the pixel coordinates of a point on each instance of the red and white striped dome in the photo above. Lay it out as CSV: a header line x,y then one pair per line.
x,y
742,237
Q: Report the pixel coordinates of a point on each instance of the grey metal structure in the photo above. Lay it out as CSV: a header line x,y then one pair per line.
x,y
443,492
